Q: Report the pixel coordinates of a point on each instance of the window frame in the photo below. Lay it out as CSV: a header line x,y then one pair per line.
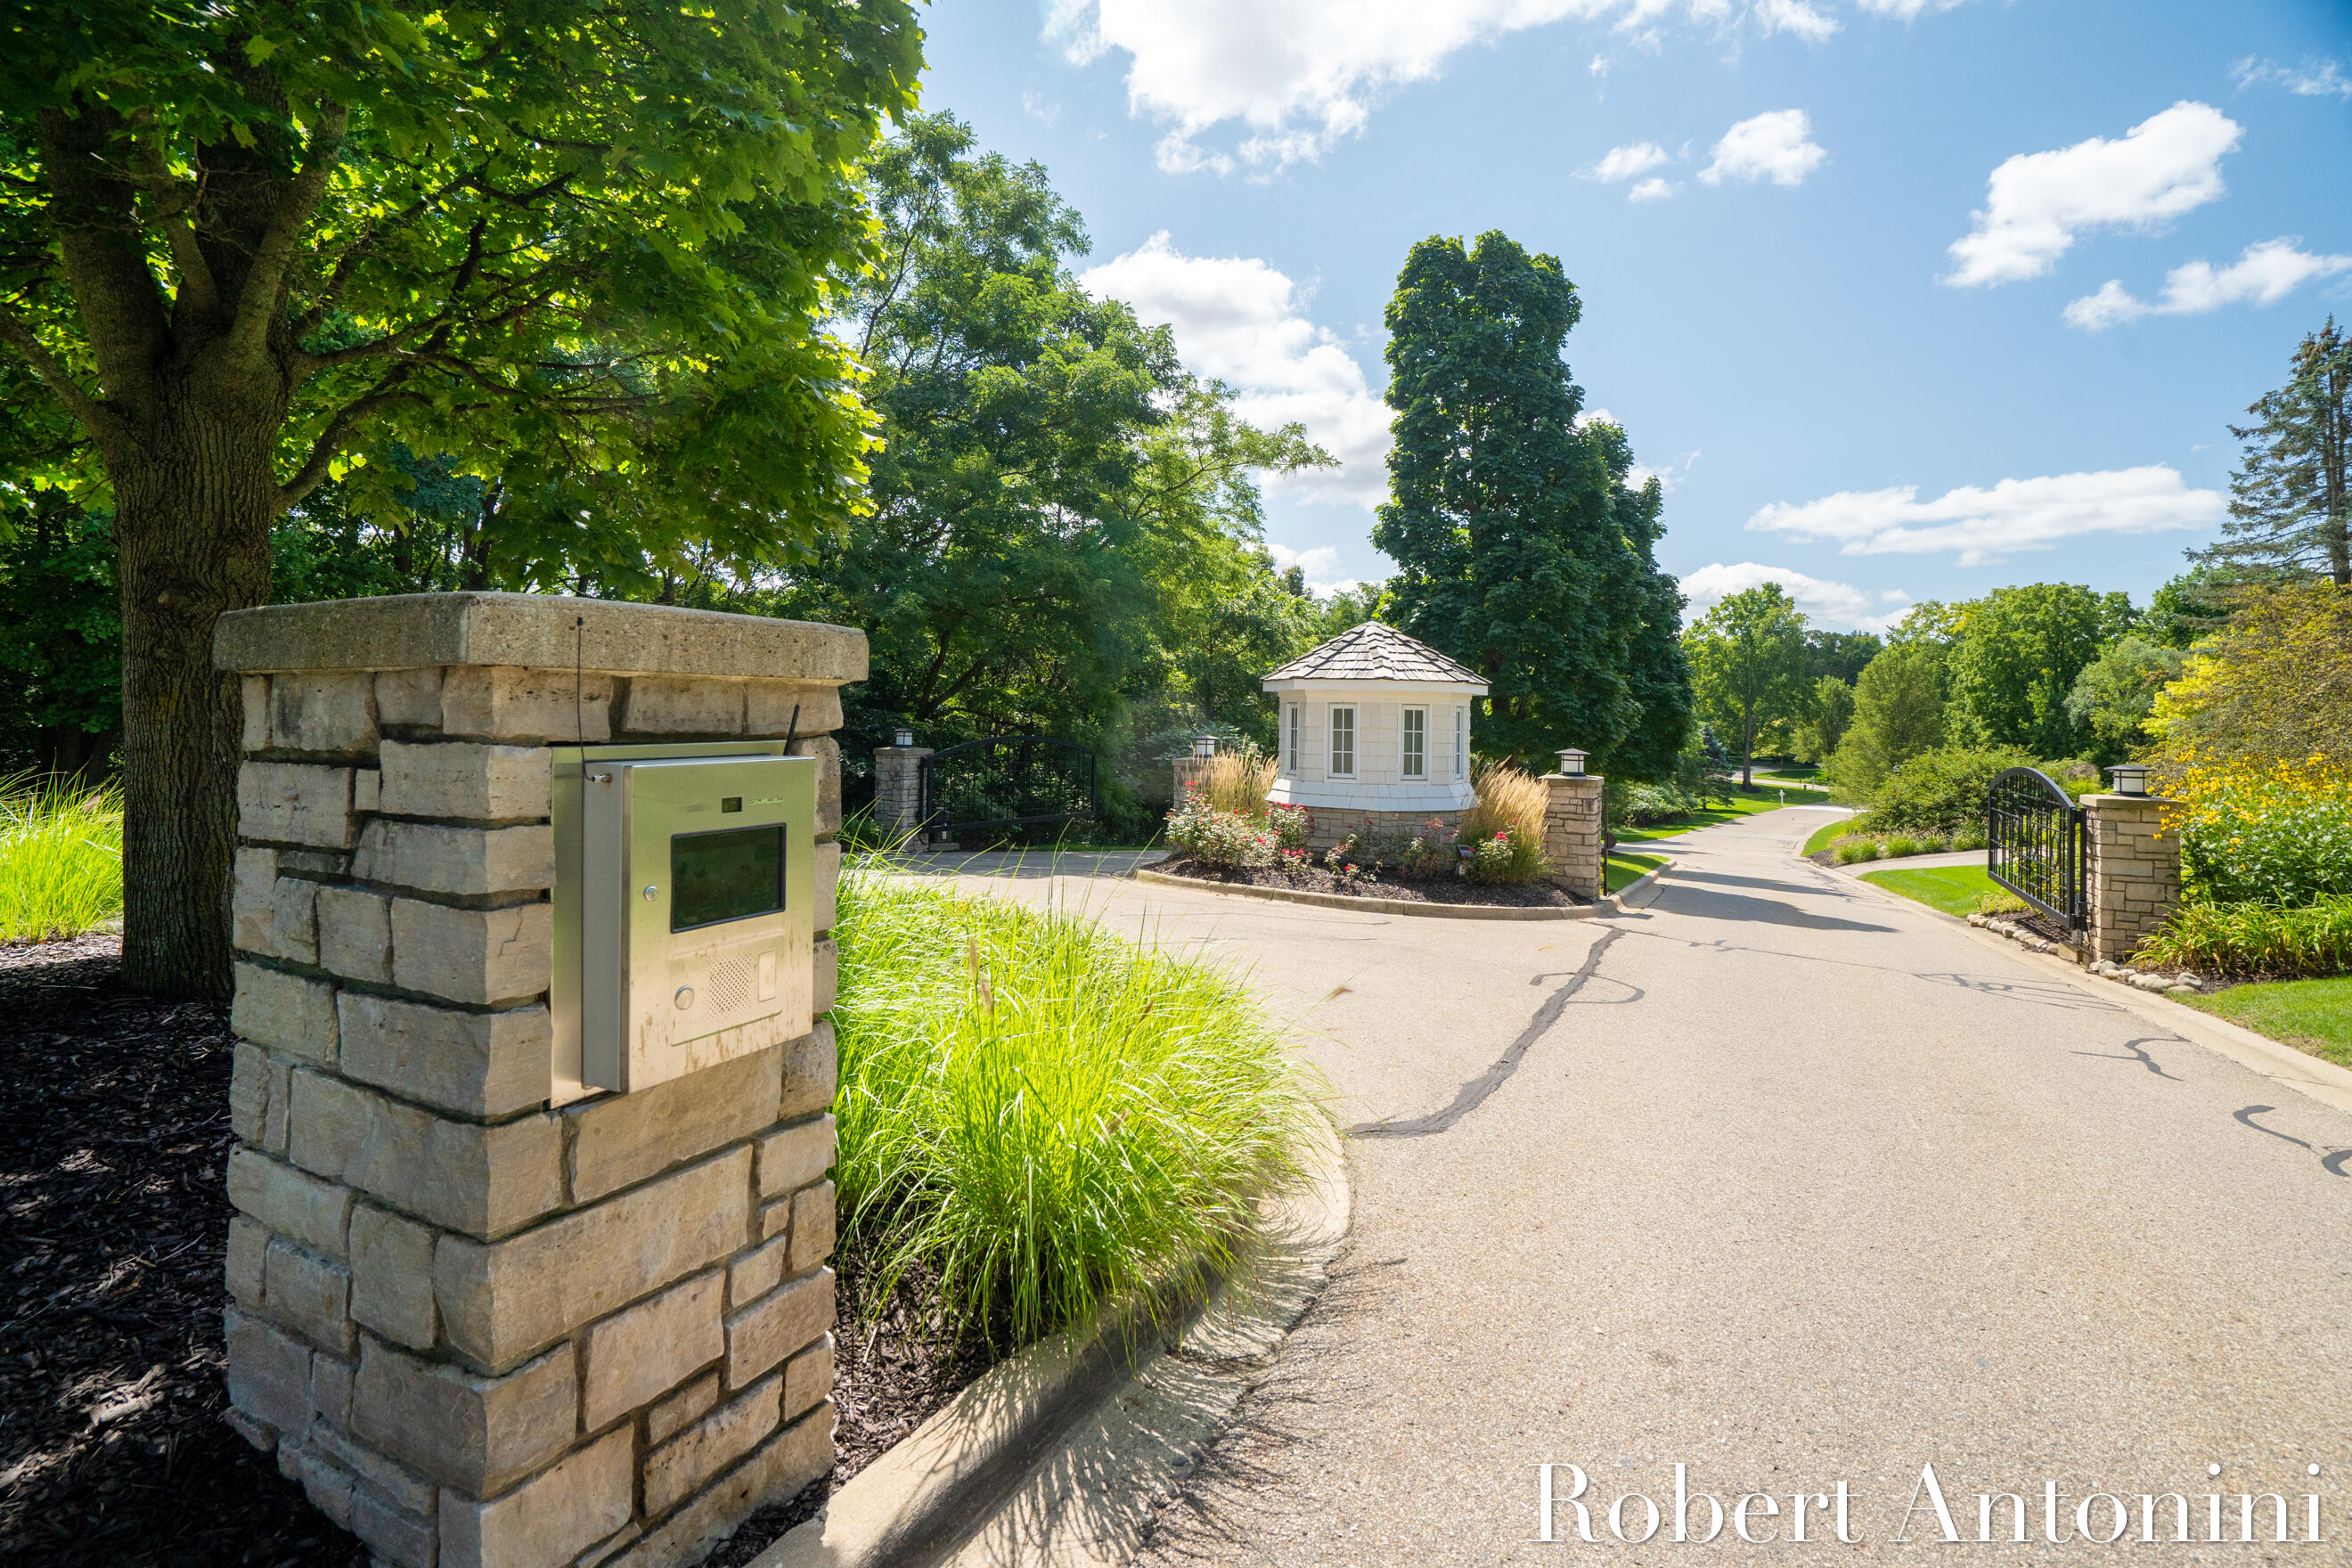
x,y
1331,739
1405,736
1293,731
1461,740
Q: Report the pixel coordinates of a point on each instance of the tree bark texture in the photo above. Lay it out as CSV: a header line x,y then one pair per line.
x,y
194,499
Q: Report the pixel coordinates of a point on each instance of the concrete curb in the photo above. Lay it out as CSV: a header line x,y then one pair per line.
x,y
1647,882
952,1476
1378,906
2321,1079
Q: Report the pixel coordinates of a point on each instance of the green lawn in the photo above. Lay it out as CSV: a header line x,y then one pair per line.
x,y
1954,890
1764,799
1627,870
1828,834
2314,1016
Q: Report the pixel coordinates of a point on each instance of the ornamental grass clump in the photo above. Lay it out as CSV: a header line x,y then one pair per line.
x,y
60,857
1236,782
1043,1117
1511,802
2255,941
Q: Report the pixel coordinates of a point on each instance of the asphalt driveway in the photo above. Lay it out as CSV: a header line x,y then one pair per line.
x,y
1794,1183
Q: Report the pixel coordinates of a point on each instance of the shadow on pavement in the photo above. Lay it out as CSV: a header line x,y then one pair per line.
x,y
1681,899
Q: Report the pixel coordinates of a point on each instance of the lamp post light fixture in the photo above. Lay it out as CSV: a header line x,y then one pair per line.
x,y
904,737
1204,747
1571,763
2131,778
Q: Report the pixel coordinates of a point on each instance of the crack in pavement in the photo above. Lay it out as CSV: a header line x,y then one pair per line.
x,y
1474,1093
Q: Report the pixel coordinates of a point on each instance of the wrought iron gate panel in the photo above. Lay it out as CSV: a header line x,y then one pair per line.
x,y
2033,843
1005,781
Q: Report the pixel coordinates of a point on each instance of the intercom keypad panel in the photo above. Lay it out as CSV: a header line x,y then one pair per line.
x,y
683,897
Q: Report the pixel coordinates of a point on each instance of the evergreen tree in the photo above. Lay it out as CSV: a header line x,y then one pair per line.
x,y
2288,503
1521,549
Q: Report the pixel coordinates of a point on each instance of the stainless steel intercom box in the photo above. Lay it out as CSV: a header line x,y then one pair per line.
x,y
683,896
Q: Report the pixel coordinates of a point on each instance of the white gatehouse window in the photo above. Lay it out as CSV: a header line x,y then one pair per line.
x,y
1416,744
1461,741
1343,743
1291,737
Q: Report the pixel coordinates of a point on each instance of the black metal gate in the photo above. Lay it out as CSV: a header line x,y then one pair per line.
x,y
1005,781
2033,839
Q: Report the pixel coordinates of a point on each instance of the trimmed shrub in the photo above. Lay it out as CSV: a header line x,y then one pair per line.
x,y
1851,851
2258,940
1504,858
1937,791
2001,903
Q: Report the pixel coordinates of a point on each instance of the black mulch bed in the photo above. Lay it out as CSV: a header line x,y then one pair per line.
x,y
1316,879
113,1137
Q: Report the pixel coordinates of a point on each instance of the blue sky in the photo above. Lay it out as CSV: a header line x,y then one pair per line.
x,y
1906,299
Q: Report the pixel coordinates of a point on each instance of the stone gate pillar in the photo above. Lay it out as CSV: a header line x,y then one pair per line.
x,y
2131,864
1574,847
486,1318
898,788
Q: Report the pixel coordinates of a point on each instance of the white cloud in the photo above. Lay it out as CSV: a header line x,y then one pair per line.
x,y
1905,10
1795,16
1633,158
1651,190
2036,202
2265,274
1240,322
2015,514
1297,76
2315,79
1840,606
1777,145
1317,565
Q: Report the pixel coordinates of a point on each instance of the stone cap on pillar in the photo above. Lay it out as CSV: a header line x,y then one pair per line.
x,y
542,631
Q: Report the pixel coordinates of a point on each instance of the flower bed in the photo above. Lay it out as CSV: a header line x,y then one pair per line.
x,y
1304,878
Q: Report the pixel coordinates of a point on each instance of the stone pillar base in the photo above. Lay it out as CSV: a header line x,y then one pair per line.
x,y
1574,848
2132,868
484,1323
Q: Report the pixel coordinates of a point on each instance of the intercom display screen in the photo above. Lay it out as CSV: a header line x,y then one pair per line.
x,y
729,875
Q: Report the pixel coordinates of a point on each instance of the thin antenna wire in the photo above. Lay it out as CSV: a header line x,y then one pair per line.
x,y
792,729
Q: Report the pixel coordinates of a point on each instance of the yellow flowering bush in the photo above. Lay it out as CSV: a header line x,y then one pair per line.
x,y
2263,832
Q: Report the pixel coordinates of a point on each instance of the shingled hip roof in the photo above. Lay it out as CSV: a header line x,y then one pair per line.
x,y
1372,651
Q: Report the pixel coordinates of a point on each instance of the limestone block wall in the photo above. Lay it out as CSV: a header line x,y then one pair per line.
x,y
2132,866
1574,846
481,1327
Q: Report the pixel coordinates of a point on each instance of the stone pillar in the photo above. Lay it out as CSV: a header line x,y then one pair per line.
x,y
2132,868
898,788
1573,845
479,1325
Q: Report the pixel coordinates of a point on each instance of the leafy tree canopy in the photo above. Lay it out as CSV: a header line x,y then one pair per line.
x,y
585,250
2276,685
1748,664
1839,655
1522,549
1898,713
2015,658
2114,693
1065,524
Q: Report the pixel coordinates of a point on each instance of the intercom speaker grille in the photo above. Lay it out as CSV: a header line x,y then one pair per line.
x,y
730,984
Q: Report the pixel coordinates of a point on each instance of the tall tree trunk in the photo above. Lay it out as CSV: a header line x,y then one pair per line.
x,y
194,497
